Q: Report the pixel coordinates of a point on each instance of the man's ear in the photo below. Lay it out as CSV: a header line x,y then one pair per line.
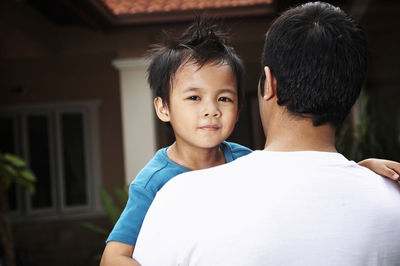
x,y
269,84
161,109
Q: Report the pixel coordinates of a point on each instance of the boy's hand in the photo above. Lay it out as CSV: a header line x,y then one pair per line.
x,y
386,168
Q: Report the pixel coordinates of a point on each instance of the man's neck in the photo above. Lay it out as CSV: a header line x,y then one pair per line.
x,y
298,134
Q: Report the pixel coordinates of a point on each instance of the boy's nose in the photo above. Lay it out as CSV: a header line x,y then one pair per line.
x,y
212,114
211,110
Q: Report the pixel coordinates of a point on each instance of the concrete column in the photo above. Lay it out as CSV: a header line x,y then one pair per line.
x,y
138,127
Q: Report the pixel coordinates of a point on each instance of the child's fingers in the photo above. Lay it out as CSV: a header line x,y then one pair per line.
x,y
391,173
395,166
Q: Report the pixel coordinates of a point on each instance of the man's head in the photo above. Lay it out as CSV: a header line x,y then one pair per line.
x,y
317,54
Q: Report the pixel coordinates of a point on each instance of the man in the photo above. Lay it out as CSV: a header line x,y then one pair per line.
x,y
297,202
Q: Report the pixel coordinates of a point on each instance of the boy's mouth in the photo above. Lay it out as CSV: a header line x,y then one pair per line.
x,y
210,127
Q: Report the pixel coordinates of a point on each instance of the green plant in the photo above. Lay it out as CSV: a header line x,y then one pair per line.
x,y
13,170
361,139
112,208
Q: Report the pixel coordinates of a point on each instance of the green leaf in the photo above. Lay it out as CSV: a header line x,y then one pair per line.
x,y
14,160
27,184
9,171
112,210
13,170
122,194
94,228
28,175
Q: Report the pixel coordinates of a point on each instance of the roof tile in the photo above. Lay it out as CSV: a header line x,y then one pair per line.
x,y
132,7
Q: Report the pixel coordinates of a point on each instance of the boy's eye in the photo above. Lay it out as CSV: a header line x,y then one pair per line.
x,y
194,98
224,99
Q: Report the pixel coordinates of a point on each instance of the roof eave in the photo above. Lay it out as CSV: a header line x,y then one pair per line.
x,y
182,15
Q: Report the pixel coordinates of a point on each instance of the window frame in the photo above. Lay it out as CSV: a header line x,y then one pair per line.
x,y
60,158
90,119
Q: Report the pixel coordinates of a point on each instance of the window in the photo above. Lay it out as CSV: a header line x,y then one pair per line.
x,y
60,144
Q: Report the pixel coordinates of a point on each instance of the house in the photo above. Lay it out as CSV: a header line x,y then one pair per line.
x,y
75,104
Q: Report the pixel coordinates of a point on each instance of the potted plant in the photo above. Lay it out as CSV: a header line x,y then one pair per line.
x,y
13,170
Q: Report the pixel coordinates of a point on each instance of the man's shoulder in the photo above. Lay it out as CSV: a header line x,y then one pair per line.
x,y
380,194
361,185
383,185
215,177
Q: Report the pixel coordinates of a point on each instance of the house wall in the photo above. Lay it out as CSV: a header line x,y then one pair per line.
x,y
35,54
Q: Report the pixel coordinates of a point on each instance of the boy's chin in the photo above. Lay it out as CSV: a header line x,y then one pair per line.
x,y
210,144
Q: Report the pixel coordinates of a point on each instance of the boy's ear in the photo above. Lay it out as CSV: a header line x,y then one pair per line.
x,y
269,84
161,109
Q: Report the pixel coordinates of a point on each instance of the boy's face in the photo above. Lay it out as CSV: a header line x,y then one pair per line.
x,y
203,107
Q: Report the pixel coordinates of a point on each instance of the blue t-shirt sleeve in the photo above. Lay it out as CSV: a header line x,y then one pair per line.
x,y
127,228
142,192
235,151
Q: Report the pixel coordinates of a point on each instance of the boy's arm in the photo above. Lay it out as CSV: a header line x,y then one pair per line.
x,y
118,254
386,168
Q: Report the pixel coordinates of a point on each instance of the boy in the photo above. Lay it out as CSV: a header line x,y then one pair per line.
x,y
197,81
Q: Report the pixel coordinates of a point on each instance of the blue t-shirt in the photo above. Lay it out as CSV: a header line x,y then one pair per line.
x,y
148,182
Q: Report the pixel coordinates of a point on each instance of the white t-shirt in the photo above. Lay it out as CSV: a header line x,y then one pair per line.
x,y
274,208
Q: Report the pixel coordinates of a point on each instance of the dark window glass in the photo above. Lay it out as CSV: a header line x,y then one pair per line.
x,y
7,135
7,140
73,159
39,155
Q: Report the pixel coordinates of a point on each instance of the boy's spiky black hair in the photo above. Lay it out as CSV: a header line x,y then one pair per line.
x,y
202,43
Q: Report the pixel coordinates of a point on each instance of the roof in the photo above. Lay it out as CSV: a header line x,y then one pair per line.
x,y
129,7
157,11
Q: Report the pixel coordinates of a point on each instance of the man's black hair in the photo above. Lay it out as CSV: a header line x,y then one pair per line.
x,y
202,43
317,53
